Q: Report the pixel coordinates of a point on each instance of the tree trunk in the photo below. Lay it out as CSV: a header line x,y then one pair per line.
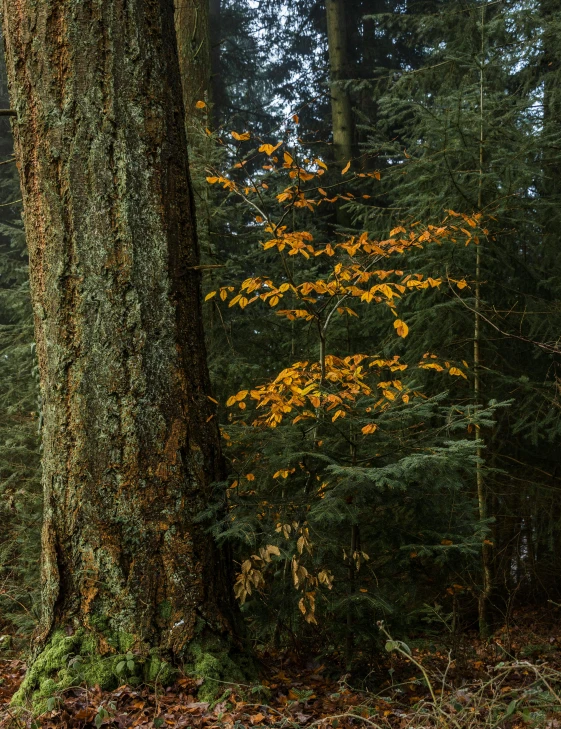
x,y
131,441
218,89
341,109
193,43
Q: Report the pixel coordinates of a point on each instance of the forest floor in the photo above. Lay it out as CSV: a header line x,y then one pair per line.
x,y
510,682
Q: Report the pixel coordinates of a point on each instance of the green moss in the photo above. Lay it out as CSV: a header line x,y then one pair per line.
x,y
214,660
158,670
125,641
165,609
72,661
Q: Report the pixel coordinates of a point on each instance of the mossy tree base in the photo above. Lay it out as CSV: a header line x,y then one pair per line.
x,y
74,660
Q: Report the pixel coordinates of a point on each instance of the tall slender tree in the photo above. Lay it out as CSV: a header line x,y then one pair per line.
x,y
341,108
131,444
194,49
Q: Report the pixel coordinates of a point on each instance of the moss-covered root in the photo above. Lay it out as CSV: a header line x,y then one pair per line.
x,y
215,662
75,661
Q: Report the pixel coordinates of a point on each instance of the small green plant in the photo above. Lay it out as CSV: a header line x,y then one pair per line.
x,y
126,666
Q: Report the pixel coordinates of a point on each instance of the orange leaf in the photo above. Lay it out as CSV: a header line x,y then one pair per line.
x,y
200,105
241,137
456,372
268,148
346,168
401,328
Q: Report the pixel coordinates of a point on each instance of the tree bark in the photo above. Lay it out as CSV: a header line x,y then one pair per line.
x,y
131,441
193,42
341,109
218,89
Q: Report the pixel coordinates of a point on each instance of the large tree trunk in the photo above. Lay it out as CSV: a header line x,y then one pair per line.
x,y
131,442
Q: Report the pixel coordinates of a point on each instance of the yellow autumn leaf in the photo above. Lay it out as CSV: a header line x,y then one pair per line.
x,y
401,328
269,148
455,371
234,300
212,180
210,295
370,428
241,137
346,168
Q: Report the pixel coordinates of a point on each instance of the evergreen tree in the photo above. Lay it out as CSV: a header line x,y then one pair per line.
x,y
471,135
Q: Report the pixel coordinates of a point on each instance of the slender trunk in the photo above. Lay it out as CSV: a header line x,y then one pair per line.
x,y
131,442
192,26
341,109
550,183
340,100
194,50
218,89
481,490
